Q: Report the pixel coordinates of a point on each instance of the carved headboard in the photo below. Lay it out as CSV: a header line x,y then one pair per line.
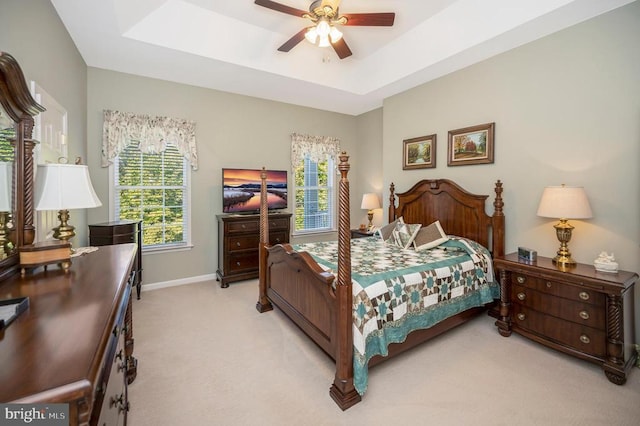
x,y
460,213
18,105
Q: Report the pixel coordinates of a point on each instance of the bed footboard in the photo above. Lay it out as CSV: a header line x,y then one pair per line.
x,y
303,291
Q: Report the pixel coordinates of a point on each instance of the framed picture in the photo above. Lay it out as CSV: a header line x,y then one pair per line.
x,y
471,145
419,153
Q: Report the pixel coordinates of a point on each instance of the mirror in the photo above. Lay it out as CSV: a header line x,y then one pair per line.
x,y
7,158
17,108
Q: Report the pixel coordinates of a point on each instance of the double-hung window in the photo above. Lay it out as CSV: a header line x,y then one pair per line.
x,y
315,195
151,158
313,164
153,188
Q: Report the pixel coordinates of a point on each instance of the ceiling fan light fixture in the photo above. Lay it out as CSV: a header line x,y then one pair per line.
x,y
324,41
323,28
311,35
335,34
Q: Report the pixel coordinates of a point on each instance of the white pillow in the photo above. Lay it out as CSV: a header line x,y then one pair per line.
x,y
404,234
430,236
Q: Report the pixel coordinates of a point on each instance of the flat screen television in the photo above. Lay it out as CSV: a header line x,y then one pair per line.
x,y
241,190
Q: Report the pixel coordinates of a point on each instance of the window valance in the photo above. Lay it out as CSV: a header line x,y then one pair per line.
x,y
315,147
152,132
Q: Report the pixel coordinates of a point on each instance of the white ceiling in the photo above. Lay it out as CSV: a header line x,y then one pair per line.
x,y
231,45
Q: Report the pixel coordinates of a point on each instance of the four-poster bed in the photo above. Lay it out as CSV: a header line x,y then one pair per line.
x,y
309,294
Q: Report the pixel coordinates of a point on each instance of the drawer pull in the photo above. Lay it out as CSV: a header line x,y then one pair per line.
x,y
584,315
585,339
237,263
584,295
521,316
243,226
548,284
277,240
237,243
521,279
521,296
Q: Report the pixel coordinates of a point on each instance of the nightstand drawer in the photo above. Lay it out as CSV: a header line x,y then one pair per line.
x,y
581,338
577,312
560,289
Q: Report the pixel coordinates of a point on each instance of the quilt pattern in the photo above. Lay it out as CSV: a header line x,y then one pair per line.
x,y
396,291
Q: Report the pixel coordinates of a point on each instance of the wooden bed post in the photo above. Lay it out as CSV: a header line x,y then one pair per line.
x,y
263,304
342,391
392,202
498,222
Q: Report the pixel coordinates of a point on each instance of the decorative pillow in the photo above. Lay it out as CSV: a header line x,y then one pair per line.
x,y
430,236
386,231
404,234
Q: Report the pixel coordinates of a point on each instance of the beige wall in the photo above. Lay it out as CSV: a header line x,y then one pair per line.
x,y
231,130
567,110
31,32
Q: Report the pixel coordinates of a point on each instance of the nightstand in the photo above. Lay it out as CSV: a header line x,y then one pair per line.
x,y
357,233
579,311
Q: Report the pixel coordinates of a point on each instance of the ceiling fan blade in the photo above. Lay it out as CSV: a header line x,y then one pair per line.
x,y
341,48
281,8
293,41
370,19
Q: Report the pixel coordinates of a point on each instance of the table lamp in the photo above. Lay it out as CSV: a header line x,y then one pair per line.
x,y
370,202
64,187
564,203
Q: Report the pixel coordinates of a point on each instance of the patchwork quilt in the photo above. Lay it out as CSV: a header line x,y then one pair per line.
x,y
396,291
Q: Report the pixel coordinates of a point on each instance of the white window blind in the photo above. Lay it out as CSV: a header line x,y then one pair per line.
x,y
154,188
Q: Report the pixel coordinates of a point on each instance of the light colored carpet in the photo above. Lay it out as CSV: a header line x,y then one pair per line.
x,y
207,357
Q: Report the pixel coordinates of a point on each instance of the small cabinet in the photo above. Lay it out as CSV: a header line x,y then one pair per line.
x,y
578,310
238,242
121,232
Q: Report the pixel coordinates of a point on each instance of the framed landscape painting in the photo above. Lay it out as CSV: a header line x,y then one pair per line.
x,y
471,145
419,153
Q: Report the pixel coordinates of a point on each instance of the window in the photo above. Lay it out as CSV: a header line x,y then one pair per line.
x,y
315,195
153,188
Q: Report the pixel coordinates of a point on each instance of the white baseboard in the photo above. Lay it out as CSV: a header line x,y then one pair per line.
x,y
181,281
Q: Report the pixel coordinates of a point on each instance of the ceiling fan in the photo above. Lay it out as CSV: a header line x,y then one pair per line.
x,y
325,17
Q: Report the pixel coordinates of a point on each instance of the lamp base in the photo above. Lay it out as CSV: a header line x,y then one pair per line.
x,y
370,216
563,255
64,232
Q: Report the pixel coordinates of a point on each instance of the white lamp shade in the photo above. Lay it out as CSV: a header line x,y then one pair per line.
x,y
6,185
64,187
370,201
564,202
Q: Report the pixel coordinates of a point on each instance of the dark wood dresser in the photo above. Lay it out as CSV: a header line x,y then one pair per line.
x,y
120,232
579,311
238,240
74,343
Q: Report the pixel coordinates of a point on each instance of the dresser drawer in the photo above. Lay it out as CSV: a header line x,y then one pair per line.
x,y
579,337
280,223
243,242
560,289
242,261
570,310
278,237
248,226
